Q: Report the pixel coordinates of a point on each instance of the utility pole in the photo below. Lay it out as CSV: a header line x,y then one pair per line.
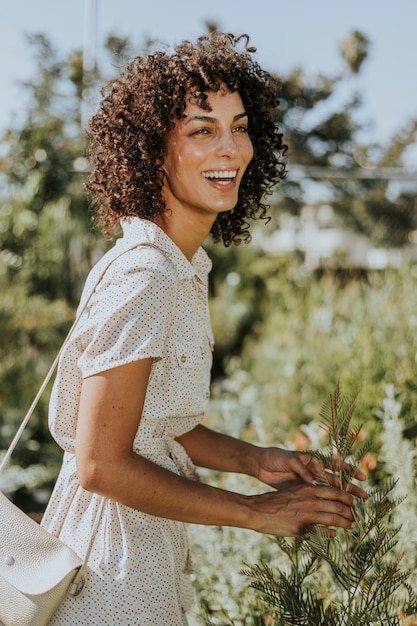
x,y
89,59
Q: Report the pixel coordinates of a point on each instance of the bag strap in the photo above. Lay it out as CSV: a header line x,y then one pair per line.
x,y
78,584
48,376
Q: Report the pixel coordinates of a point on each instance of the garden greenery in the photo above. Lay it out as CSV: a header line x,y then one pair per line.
x,y
359,578
284,334
314,331
355,578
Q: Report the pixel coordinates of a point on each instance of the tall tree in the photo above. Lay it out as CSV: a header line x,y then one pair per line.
x,y
47,243
46,240
355,179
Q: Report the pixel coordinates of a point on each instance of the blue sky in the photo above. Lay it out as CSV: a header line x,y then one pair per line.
x,y
287,34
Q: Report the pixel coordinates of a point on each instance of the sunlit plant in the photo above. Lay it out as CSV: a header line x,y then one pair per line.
x,y
356,578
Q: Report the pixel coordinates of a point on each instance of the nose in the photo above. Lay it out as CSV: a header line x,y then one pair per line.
x,y
227,145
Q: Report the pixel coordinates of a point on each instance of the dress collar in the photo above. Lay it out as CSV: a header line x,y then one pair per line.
x,y
137,230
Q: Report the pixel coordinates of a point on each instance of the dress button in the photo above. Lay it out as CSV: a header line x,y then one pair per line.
x,y
9,560
183,358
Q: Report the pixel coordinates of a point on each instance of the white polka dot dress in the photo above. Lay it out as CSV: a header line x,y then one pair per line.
x,y
151,302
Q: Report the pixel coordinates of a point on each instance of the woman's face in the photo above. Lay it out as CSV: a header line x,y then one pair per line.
x,y
206,157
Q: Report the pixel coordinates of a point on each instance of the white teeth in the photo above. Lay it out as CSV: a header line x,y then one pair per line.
x,y
220,174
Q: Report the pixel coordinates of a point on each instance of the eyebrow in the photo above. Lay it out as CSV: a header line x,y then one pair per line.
x,y
211,120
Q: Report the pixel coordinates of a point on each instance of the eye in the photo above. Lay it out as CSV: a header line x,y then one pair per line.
x,y
240,129
200,131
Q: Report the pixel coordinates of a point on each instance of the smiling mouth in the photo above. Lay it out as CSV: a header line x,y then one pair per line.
x,y
221,176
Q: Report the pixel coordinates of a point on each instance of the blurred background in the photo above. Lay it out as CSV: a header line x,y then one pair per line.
x,y
326,291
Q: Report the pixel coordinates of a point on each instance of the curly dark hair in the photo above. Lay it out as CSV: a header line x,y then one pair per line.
x,y
138,110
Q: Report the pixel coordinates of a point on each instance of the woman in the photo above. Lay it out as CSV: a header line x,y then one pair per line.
x,y
185,145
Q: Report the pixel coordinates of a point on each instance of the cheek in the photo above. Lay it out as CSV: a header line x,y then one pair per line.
x,y
185,159
248,153
193,154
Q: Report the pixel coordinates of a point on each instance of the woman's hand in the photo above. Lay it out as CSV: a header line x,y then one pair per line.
x,y
299,501
283,469
294,511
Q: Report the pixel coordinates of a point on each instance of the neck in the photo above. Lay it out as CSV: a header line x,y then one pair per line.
x,y
188,233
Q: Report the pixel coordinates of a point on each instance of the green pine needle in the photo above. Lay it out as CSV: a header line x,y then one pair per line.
x,y
355,578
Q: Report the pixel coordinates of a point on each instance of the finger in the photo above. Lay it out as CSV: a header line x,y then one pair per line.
x,y
359,475
335,520
355,490
304,470
326,512
322,499
311,469
350,470
335,513
333,494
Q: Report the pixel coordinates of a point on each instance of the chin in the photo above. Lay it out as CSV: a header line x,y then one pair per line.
x,y
226,208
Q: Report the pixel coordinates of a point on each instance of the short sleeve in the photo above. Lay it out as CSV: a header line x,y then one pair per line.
x,y
129,315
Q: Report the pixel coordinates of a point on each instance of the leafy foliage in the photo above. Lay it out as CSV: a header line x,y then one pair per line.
x,y
353,179
368,585
47,248
281,334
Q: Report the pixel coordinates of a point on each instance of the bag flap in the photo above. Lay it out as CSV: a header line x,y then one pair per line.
x,y
31,559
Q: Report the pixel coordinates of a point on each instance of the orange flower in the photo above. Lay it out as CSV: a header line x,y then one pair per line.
x,y
301,441
368,462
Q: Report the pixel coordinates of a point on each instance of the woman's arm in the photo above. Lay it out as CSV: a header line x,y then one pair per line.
x,y
208,448
110,409
273,466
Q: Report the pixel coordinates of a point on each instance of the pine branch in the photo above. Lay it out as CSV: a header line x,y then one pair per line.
x,y
367,584
336,415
